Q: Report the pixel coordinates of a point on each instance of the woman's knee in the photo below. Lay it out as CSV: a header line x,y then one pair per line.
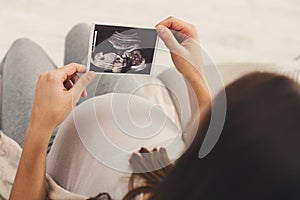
x,y
79,29
26,54
77,44
22,42
23,47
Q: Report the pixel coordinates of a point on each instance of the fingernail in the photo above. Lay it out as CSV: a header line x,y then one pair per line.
x,y
160,29
82,67
91,74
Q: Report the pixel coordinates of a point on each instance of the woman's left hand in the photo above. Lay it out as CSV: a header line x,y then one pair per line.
x,y
57,92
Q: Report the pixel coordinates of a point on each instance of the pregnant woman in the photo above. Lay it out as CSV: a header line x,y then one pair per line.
x,y
80,161
256,156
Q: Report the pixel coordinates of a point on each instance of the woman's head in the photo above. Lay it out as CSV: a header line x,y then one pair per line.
x,y
258,153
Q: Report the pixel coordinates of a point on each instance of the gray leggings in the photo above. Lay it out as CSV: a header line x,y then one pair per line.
x,y
20,69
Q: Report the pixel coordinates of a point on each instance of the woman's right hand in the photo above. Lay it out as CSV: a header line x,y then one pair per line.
x,y
186,55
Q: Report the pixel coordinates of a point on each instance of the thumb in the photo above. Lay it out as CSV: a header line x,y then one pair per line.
x,y
169,39
81,84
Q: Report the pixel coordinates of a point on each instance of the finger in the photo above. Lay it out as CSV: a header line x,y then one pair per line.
x,y
81,84
180,37
180,26
71,69
84,94
169,39
74,78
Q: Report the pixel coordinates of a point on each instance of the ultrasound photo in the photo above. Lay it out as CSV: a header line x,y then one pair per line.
x,y
118,49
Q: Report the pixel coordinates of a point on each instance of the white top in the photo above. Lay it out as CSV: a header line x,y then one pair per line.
x,y
93,145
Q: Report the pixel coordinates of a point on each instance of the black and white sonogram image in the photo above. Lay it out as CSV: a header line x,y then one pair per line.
x,y
118,49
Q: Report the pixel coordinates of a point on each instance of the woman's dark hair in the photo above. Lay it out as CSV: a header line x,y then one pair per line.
x,y
145,162
256,157
144,183
258,153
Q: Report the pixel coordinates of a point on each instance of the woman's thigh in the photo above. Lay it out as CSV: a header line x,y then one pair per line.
x,y
23,63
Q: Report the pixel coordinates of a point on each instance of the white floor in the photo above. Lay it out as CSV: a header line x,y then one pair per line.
x,y
232,31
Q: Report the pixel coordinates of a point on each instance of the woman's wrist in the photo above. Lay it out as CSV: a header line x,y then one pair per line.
x,y
38,135
41,122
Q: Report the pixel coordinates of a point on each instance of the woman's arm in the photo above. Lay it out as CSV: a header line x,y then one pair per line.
x,y
56,93
187,58
186,55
